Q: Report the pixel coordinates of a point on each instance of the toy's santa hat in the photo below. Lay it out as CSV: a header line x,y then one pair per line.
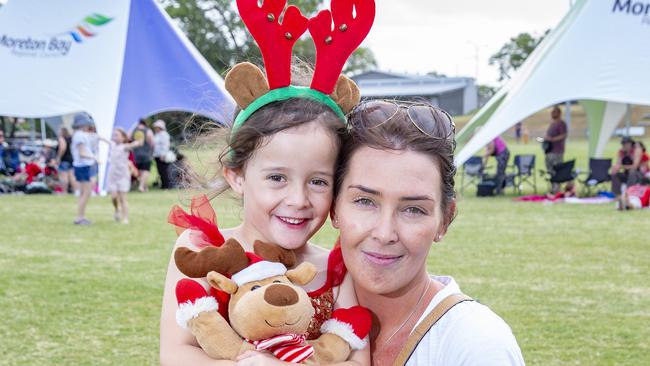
x,y
229,260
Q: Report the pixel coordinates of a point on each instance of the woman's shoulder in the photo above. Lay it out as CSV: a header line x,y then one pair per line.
x,y
470,333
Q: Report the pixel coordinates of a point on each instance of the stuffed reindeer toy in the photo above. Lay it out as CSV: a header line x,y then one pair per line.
x,y
268,311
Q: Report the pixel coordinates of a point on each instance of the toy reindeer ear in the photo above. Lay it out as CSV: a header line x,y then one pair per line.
x,y
303,274
275,253
346,93
221,282
246,82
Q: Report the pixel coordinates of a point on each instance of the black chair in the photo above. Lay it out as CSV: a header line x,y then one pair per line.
x,y
598,174
524,172
472,169
563,173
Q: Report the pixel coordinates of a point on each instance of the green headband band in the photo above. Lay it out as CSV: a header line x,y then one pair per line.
x,y
285,93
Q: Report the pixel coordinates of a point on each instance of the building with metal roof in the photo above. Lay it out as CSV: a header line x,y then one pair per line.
x,y
456,95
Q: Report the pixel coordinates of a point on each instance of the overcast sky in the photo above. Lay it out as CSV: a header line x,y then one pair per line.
x,y
418,36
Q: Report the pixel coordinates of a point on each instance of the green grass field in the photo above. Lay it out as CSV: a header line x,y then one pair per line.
x,y
571,280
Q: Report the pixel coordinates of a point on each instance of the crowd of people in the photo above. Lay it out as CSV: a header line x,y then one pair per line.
x,y
71,164
629,173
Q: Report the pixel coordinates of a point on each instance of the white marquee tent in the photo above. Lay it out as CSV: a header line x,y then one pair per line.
x,y
118,60
599,55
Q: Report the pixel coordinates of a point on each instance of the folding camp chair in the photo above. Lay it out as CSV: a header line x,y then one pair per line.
x,y
524,166
598,174
473,169
563,173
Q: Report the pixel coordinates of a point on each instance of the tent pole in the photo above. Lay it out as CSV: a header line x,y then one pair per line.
x,y
43,131
32,131
628,119
567,117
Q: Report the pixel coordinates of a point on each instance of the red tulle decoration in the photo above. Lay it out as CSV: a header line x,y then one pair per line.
x,y
336,271
202,220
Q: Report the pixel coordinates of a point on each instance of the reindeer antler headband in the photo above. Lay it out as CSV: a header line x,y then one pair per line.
x,y
352,20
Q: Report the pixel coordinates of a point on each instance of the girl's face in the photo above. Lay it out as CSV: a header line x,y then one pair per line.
x,y
286,186
389,214
117,137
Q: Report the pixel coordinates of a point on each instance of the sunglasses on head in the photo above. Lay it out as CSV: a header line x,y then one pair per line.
x,y
431,121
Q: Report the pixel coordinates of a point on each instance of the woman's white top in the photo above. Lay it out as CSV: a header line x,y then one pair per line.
x,y
161,142
468,334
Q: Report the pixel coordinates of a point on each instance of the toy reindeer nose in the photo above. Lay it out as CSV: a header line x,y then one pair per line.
x,y
280,295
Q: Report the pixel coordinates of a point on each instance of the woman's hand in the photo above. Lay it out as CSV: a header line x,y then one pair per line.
x,y
255,358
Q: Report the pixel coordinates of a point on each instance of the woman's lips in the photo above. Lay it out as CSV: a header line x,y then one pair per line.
x,y
381,259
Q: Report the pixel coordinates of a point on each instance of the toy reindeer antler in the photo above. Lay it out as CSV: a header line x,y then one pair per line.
x,y
334,46
274,39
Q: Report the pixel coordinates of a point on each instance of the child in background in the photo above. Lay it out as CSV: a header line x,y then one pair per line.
x,y
118,179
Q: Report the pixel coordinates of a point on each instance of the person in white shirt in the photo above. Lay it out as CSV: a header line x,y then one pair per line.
x,y
161,152
83,161
394,198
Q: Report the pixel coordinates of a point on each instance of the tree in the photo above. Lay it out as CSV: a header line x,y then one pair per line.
x,y
436,74
220,35
513,54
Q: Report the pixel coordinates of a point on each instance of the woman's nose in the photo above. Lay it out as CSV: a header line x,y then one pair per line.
x,y
385,229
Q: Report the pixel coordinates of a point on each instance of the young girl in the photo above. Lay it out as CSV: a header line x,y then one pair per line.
x,y
280,159
118,179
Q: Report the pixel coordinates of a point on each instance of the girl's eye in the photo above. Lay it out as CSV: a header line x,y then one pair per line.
x,y
320,182
276,178
363,201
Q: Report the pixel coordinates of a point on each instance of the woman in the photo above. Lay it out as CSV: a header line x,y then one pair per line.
x,y
395,197
64,157
499,150
161,142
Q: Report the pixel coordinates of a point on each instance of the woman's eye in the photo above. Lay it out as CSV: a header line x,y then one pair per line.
x,y
276,178
363,201
255,287
415,211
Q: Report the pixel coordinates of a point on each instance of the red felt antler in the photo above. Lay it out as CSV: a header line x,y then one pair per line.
x,y
274,39
334,46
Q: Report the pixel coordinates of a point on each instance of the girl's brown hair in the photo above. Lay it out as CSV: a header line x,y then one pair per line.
x,y
275,117
390,125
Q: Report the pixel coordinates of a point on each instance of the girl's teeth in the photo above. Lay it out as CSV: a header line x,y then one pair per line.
x,y
292,221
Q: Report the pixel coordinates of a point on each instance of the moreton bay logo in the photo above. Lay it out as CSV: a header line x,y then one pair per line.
x,y
633,8
59,44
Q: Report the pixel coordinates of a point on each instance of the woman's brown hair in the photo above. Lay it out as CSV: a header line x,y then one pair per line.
x,y
393,125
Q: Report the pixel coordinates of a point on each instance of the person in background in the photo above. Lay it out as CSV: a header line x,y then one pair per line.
x,y
142,154
518,129
499,150
82,162
556,134
644,167
64,159
118,179
161,152
3,145
626,170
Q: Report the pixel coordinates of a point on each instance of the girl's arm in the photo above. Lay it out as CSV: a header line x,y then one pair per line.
x,y
134,144
177,345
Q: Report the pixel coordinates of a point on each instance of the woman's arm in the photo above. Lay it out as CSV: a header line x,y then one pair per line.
x,y
61,150
177,345
489,150
346,298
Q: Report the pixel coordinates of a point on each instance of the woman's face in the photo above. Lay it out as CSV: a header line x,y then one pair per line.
x,y
389,213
